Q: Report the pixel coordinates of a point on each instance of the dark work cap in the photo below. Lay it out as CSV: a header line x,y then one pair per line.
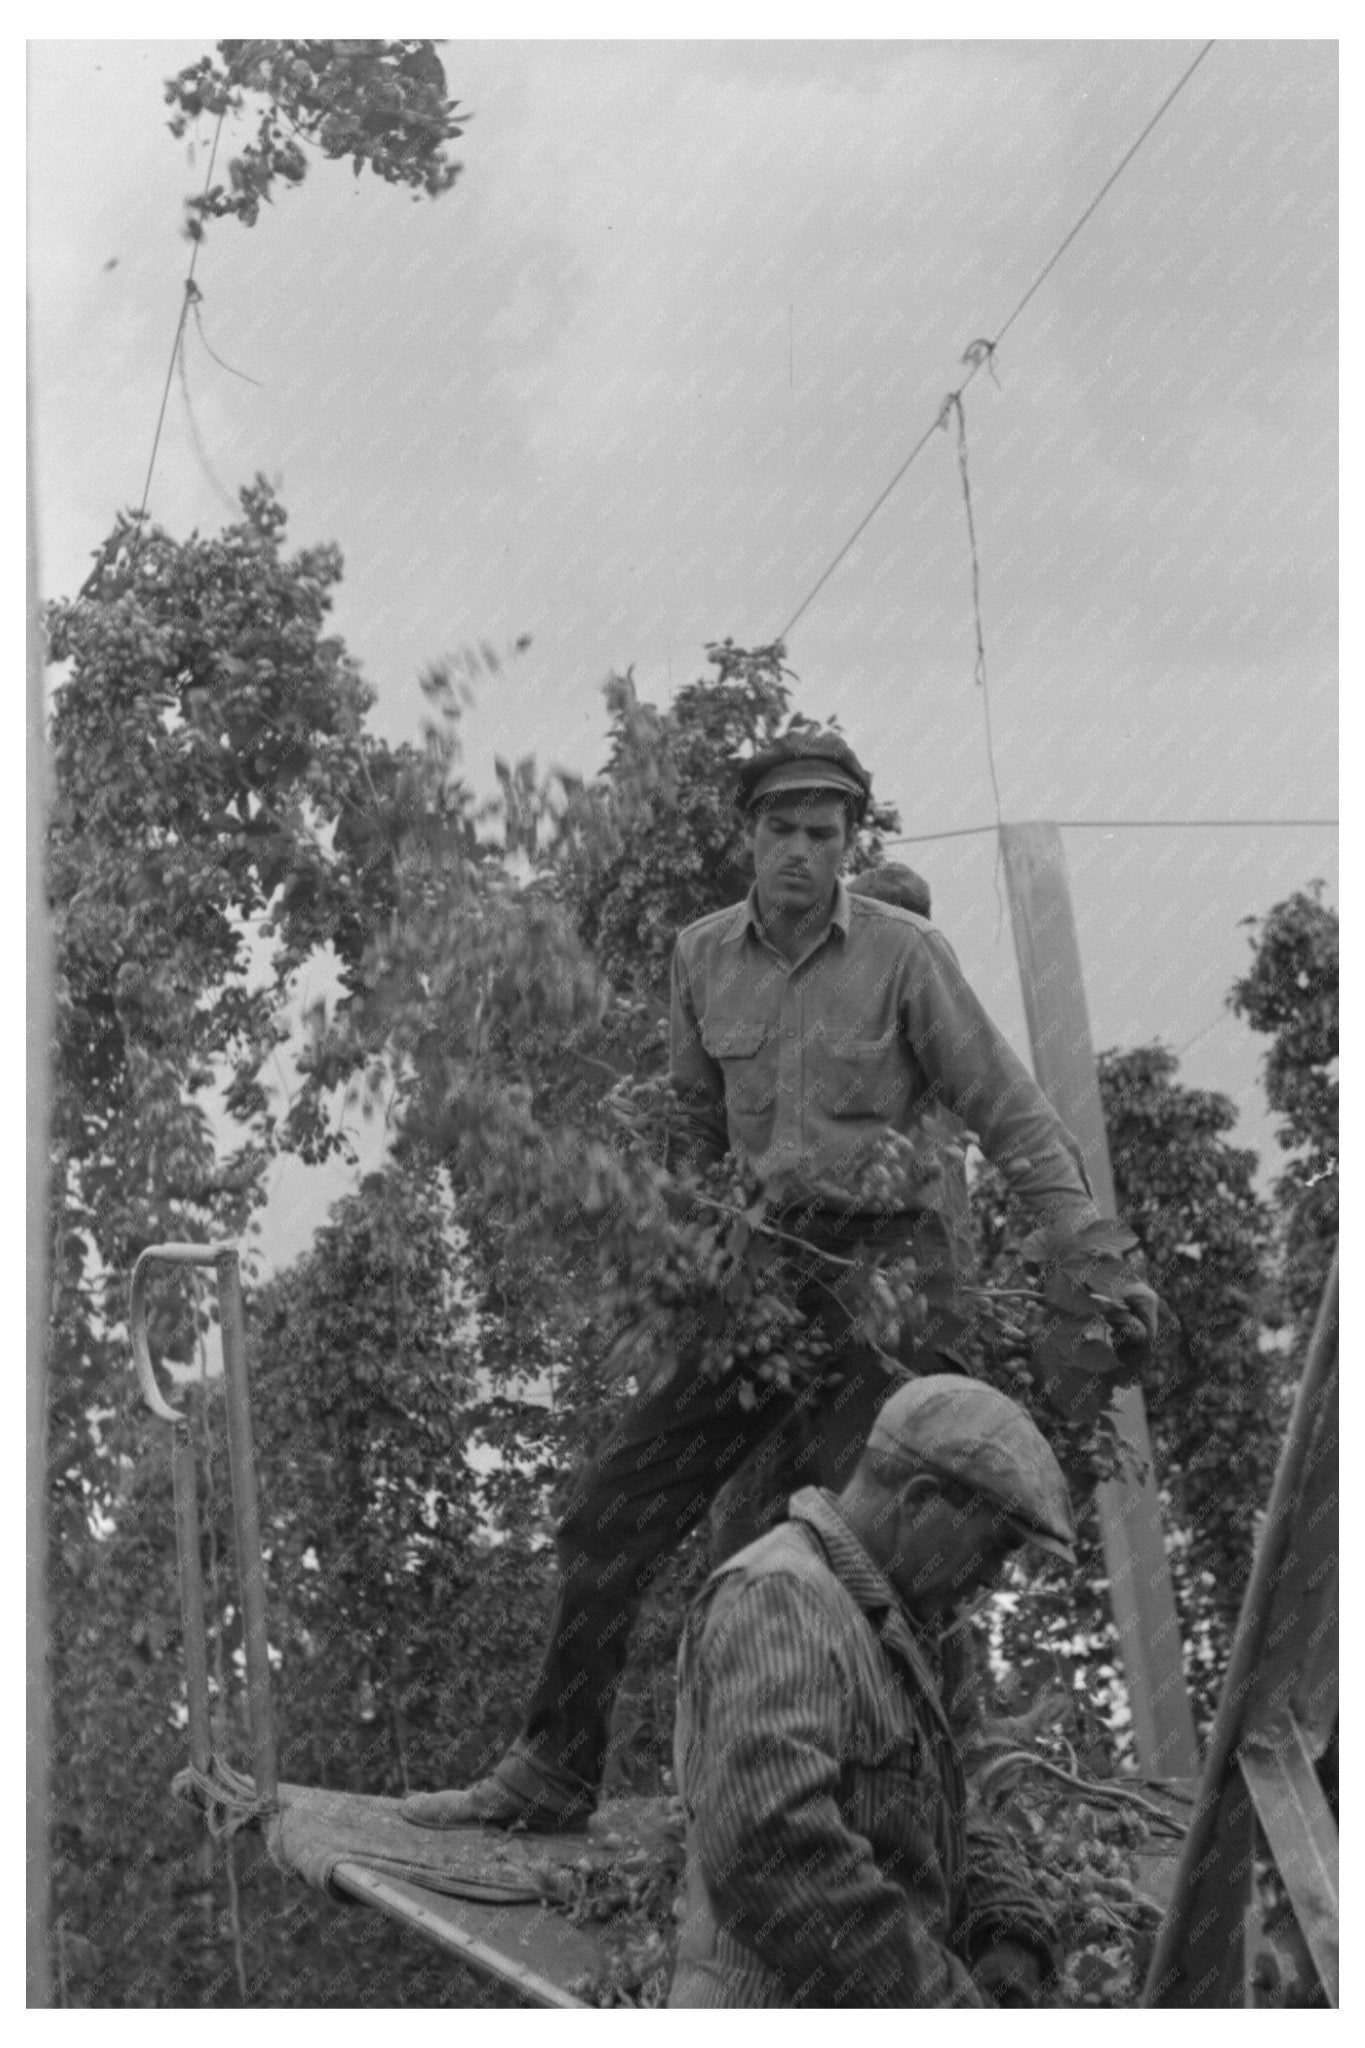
x,y
893,883
960,1429
808,760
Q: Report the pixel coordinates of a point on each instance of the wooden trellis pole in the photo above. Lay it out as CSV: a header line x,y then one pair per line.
x,y
1129,1512
38,1805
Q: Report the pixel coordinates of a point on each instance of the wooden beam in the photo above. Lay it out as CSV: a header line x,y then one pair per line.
x,y
1129,1512
38,1052
1212,1873
1209,1966
1295,1682
1298,1825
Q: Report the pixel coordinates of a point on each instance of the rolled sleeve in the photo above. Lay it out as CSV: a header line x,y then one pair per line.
x,y
787,1875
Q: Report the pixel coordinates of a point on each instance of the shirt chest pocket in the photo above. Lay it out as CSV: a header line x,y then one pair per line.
x,y
860,1076
746,1054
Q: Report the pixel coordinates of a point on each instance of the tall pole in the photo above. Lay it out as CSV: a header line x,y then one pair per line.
x,y
37,1053
247,1524
1129,1510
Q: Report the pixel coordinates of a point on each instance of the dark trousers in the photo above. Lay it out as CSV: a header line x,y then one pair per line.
x,y
674,1450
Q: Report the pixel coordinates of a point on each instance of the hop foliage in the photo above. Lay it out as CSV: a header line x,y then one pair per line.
x,y
205,741
382,104
628,1888
1086,1842
1213,1394
529,1248
1291,993
719,1267
655,842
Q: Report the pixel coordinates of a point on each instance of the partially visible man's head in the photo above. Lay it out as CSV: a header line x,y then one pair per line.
x,y
954,1478
894,883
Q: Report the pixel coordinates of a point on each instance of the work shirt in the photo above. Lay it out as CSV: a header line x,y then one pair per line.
x,y
831,1855
795,1066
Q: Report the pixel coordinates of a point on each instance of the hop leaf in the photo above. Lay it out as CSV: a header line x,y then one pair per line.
x,y
1076,1369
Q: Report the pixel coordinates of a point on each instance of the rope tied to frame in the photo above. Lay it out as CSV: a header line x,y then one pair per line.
x,y
229,1802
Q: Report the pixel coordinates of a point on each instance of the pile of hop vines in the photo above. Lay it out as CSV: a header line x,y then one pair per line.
x,y
714,1282
723,1267
1085,1843
629,1890
1082,1841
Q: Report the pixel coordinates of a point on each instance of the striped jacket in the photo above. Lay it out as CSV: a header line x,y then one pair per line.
x,y
831,1859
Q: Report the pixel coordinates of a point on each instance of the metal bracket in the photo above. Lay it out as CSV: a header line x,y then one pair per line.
x,y
164,1255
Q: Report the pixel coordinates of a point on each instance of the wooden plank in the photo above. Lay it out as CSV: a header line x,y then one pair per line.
x,y
1208,1965
1302,1835
1296,1676
513,1944
1129,1512
1216,1832
478,1893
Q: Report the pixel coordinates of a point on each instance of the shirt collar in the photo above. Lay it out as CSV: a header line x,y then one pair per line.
x,y
869,1587
746,914
852,1566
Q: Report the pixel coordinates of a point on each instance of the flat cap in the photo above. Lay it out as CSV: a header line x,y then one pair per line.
x,y
894,883
960,1429
809,759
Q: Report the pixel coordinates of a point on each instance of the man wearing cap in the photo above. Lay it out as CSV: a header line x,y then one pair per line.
x,y
757,1496
804,1020
831,1856
814,1015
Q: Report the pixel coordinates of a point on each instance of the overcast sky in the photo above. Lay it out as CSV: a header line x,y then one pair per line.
x,y
632,383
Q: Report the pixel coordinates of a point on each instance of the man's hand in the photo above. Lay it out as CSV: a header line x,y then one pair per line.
x,y
1007,1973
1133,1321
1143,1302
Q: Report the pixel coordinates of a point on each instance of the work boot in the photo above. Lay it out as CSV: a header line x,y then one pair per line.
x,y
521,1794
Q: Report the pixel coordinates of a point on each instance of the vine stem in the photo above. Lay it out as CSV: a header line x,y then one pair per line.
x,y
235,1907
1002,1293
771,1230
1092,1788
